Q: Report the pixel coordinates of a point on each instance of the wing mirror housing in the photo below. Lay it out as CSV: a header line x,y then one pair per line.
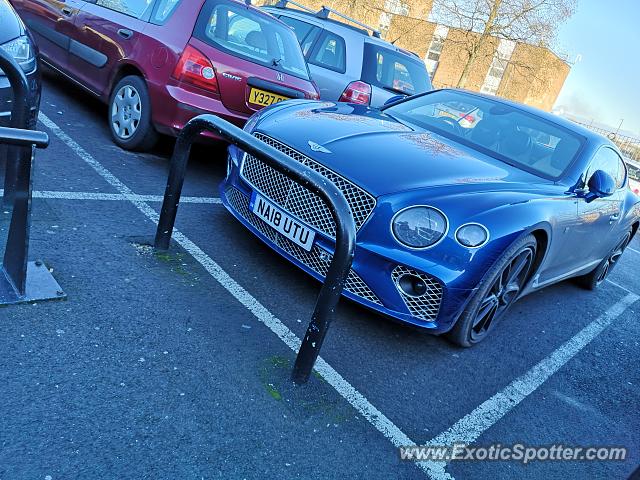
x,y
600,185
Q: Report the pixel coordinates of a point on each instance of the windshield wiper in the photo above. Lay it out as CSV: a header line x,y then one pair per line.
x,y
397,90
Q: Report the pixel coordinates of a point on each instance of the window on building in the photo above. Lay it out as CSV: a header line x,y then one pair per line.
x,y
432,58
391,8
498,65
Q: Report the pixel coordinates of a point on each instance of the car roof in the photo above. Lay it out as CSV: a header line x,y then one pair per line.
x,y
590,135
337,26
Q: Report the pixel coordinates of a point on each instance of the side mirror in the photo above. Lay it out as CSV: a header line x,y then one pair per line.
x,y
394,99
601,185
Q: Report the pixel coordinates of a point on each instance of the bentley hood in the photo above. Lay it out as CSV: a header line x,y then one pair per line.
x,y
382,155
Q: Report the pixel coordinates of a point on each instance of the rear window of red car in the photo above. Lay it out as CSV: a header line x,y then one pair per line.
x,y
238,30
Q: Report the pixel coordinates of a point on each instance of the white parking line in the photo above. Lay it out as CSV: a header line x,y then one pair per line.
x,y
466,430
471,426
48,194
634,250
374,416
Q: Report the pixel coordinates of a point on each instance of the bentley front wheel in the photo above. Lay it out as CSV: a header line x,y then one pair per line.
x,y
499,289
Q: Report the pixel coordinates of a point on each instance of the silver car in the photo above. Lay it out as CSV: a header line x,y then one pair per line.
x,y
349,61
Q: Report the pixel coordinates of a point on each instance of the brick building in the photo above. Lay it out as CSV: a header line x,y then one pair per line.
x,y
521,72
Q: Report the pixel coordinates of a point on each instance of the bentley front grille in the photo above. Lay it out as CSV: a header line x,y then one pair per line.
x,y
317,259
299,201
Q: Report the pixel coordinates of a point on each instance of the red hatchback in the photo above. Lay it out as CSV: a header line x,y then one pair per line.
x,y
159,63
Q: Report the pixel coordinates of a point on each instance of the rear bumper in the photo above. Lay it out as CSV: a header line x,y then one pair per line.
x,y
174,106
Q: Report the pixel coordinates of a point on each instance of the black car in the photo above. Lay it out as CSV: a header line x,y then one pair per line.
x,y
18,42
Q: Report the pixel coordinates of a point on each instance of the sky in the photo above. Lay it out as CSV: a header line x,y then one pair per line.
x,y
604,84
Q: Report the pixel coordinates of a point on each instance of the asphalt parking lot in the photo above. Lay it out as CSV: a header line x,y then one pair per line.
x,y
177,365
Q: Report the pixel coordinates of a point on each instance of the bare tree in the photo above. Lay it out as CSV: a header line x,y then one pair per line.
x,y
524,21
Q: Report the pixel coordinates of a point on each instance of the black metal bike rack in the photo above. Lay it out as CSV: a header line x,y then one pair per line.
x,y
20,280
19,119
301,174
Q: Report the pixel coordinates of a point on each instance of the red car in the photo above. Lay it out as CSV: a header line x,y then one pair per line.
x,y
159,63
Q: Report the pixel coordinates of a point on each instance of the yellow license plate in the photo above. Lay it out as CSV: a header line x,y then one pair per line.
x,y
261,97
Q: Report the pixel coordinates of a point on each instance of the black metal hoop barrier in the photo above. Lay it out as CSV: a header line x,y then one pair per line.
x,y
308,178
19,119
21,280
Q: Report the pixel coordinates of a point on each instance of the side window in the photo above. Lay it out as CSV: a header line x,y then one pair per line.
x,y
607,160
163,10
133,8
305,32
330,53
300,28
622,173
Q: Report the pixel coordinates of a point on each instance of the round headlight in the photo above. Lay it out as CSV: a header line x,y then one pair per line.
x,y
472,235
419,227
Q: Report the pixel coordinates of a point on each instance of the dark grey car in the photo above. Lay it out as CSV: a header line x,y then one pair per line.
x,y
18,42
347,59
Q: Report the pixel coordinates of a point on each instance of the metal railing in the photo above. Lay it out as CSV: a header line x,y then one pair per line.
x,y
332,196
629,146
20,280
19,119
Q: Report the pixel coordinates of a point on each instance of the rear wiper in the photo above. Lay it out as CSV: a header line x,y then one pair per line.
x,y
276,62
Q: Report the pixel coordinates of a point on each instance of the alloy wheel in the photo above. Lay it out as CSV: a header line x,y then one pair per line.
x,y
126,112
502,293
612,259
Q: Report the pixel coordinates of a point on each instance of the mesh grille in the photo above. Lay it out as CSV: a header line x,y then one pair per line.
x,y
426,306
317,259
299,201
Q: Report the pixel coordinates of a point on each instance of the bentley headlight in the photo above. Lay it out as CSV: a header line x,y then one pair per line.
x,y
419,227
472,235
22,50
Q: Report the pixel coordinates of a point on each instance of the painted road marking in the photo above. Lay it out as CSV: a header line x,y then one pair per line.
x,y
634,250
48,194
466,430
374,416
469,428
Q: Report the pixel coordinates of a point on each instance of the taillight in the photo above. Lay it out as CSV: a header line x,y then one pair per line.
x,y
467,117
196,69
357,92
316,92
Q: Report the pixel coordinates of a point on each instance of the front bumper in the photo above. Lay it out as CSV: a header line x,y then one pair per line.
x,y
371,281
6,99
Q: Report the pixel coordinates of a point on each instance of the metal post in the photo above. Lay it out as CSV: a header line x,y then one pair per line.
x,y
19,119
20,280
301,174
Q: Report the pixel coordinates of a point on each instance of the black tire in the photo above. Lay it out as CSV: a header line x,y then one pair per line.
x,y
496,293
593,280
129,115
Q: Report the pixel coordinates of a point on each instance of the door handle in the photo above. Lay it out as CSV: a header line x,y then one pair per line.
x,y
67,11
125,33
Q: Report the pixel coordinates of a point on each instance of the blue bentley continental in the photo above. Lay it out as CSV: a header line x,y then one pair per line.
x,y
455,219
